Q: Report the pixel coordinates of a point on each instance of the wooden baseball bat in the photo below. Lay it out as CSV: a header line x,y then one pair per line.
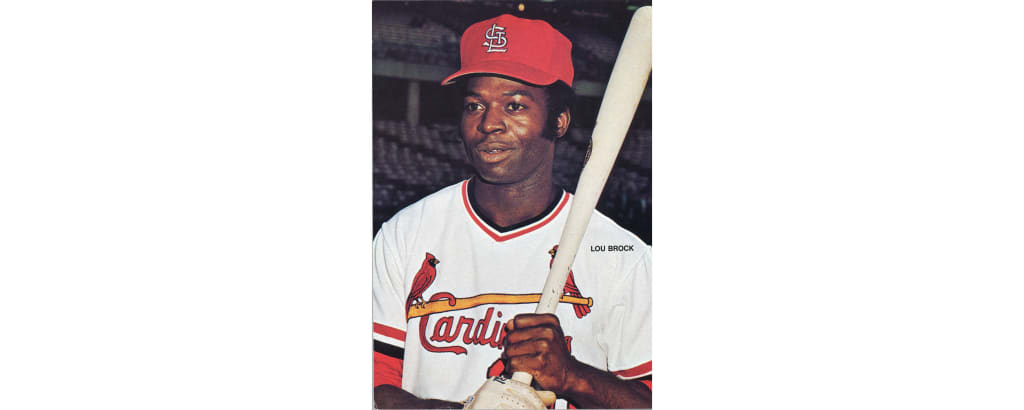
x,y
621,97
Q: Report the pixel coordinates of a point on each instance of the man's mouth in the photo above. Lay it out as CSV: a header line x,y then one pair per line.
x,y
494,154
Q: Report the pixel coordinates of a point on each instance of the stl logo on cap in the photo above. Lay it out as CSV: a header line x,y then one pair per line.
x,y
495,39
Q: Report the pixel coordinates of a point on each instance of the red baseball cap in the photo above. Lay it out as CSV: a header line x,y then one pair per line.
x,y
528,50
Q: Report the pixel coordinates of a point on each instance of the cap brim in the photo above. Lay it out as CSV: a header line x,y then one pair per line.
x,y
508,69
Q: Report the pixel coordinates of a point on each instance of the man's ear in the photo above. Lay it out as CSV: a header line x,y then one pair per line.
x,y
562,123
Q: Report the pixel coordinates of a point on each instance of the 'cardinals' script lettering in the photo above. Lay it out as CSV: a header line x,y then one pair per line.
x,y
481,332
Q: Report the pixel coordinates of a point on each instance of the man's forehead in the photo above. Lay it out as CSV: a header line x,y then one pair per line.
x,y
495,85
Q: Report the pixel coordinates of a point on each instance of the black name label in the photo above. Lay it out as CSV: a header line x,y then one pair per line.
x,y
611,248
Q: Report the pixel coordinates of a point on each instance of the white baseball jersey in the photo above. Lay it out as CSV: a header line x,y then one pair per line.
x,y
445,281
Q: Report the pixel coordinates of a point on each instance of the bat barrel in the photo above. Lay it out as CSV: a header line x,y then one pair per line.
x,y
622,95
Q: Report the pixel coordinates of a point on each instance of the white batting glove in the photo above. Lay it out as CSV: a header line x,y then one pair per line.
x,y
515,393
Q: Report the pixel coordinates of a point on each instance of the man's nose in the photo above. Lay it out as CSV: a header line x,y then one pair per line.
x,y
491,121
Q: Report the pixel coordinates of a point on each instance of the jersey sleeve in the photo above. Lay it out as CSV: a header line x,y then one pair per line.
x,y
627,335
388,291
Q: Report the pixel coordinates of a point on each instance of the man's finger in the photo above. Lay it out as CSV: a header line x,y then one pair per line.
x,y
529,364
522,335
529,348
532,319
547,397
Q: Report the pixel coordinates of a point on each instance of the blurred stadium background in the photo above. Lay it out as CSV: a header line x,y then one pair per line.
x,y
416,146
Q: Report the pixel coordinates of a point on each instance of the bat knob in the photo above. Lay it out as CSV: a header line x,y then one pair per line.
x,y
522,377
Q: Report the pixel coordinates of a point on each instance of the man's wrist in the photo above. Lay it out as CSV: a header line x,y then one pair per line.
x,y
577,382
589,387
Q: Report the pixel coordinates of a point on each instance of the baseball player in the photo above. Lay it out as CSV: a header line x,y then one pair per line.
x,y
457,275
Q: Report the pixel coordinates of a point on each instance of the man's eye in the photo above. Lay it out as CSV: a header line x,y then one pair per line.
x,y
516,107
473,107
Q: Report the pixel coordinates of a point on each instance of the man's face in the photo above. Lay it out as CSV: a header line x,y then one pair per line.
x,y
502,126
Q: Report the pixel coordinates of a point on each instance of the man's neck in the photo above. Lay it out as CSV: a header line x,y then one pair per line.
x,y
507,205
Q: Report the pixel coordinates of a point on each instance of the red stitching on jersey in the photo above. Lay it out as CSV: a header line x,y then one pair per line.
x,y
388,331
636,371
503,238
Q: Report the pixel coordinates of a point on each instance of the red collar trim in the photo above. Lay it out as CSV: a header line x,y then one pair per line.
x,y
502,237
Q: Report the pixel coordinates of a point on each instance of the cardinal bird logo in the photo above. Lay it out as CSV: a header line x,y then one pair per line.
x,y
570,287
424,277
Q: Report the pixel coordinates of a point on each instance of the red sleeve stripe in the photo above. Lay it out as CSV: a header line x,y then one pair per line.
x,y
648,383
388,331
635,372
386,370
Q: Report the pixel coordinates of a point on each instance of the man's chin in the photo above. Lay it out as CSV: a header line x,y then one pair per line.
x,y
492,178
493,173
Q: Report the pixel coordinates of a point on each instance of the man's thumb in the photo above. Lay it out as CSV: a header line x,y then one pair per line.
x,y
547,397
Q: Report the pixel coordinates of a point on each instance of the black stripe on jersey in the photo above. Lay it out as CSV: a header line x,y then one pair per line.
x,y
503,229
647,377
389,350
